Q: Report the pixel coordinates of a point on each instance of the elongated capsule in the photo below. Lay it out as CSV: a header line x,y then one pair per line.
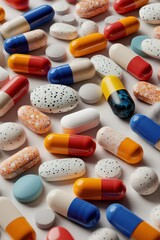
x,y
69,144
2,14
30,20
18,4
99,189
130,224
130,61
121,28
24,63
12,92
123,6
75,209
88,44
13,222
26,42
4,77
119,145
117,96
147,129
71,73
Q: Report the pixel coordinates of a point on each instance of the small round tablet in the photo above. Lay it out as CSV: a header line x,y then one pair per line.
x,y
69,19
104,234
155,113
61,8
108,168
45,218
155,216
90,93
111,19
89,27
144,180
56,52
136,45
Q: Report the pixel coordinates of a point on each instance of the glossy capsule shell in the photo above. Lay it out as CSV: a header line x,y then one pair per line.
x,y
119,145
71,73
88,44
121,28
18,4
29,64
69,144
12,92
124,6
75,209
147,129
131,62
2,14
99,189
28,21
26,42
132,226
117,96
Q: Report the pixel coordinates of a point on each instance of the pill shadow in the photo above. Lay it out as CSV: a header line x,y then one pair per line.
x,y
153,197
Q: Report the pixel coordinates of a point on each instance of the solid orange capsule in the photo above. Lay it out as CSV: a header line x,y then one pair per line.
x,y
99,189
121,28
24,63
88,44
2,14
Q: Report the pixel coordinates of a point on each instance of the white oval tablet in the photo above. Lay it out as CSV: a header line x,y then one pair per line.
x,y
108,168
54,98
151,47
89,27
62,169
90,93
45,218
63,31
80,121
105,66
155,216
4,77
69,19
111,19
144,180
155,113
56,52
104,234
12,136
150,13
61,8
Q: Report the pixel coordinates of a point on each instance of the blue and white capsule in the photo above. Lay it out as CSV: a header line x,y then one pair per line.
x,y
30,20
147,129
68,74
73,208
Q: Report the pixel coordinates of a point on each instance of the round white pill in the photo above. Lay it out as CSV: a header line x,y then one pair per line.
x,y
144,180
61,8
88,27
111,19
108,168
56,52
104,234
90,93
155,216
69,19
155,113
45,218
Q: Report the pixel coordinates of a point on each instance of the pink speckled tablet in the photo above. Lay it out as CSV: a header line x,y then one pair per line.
x,y
156,32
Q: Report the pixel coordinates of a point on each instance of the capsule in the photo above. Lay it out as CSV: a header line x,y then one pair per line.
x,y
130,61
13,222
121,28
12,92
30,20
73,208
88,44
147,129
4,77
18,4
130,224
69,144
123,6
99,189
71,73
119,145
2,14
29,64
117,96
26,42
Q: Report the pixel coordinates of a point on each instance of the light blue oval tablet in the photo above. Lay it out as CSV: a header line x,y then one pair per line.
x,y
28,188
136,45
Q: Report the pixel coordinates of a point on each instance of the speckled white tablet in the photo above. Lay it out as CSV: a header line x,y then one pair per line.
x,y
45,218
4,77
61,8
150,13
111,19
151,47
56,52
105,66
104,234
155,216
90,93
69,19
63,31
54,98
89,27
62,169
108,168
12,136
155,113
144,180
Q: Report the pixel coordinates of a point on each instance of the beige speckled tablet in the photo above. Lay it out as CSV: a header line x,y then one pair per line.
x,y
63,31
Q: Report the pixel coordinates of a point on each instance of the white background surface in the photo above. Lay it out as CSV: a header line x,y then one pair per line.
x,y
139,204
